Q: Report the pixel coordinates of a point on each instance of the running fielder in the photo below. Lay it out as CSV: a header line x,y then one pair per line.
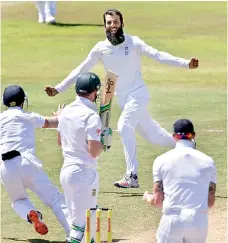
x,y
184,187
121,53
20,169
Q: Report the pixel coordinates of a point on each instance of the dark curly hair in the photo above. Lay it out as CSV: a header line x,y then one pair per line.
x,y
112,12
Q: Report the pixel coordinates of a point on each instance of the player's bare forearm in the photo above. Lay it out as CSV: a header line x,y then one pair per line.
x,y
211,195
51,122
150,200
158,193
95,148
59,139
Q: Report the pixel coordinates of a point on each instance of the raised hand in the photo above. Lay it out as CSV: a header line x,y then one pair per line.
x,y
51,91
58,112
194,63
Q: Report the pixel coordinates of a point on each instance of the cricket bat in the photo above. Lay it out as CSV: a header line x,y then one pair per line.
x,y
106,98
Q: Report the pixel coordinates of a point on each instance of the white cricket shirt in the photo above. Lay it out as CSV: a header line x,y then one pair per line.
x,y
186,174
124,60
17,130
78,123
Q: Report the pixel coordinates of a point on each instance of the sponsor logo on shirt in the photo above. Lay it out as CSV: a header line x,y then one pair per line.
x,y
94,193
126,50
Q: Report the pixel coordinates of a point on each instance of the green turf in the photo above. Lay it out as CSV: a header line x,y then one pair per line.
x,y
35,55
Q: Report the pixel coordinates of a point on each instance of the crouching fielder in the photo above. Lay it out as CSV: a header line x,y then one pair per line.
x,y
20,169
184,186
80,137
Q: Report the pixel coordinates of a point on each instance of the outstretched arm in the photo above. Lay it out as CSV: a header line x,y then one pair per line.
x,y
85,66
164,57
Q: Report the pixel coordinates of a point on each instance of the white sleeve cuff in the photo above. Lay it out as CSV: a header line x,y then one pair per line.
x,y
58,88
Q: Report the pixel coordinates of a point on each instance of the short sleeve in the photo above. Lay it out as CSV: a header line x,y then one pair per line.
x,y
60,120
157,176
214,173
93,129
37,120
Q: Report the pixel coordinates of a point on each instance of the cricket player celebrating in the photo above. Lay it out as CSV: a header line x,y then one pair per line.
x,y
184,186
19,167
79,134
121,53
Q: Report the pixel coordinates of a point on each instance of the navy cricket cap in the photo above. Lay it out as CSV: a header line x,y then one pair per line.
x,y
13,95
183,126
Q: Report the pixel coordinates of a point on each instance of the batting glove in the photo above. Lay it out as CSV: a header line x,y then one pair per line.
x,y
106,138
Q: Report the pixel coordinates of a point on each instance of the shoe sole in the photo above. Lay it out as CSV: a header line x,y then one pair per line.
x,y
120,186
39,226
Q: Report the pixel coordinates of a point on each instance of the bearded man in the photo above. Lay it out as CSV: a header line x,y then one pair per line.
x,y
121,53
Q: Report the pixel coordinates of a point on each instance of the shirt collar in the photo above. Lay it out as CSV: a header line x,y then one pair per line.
x,y
86,102
16,108
185,143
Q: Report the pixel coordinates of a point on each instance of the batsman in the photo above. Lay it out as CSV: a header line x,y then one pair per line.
x,y
121,53
81,139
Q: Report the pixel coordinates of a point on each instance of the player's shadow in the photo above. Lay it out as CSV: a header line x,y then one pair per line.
x,y
13,239
59,24
222,197
125,194
47,241
44,241
115,240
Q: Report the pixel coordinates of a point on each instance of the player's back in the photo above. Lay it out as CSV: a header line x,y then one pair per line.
x,y
72,128
17,130
186,175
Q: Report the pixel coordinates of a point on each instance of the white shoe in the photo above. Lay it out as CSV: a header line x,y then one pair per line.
x,y
41,19
50,20
128,181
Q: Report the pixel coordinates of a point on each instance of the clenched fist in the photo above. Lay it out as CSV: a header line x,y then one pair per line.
x,y
51,91
194,63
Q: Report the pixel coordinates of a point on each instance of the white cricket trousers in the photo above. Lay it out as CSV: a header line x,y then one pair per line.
x,y
21,173
173,229
46,9
135,116
80,185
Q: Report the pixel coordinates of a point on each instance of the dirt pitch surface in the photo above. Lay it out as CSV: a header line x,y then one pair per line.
x,y
217,232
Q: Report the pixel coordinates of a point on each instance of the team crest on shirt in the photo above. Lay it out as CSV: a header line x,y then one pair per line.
x,y
126,50
98,131
94,193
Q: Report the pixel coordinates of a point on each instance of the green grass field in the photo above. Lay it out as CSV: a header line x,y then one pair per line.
x,y
35,55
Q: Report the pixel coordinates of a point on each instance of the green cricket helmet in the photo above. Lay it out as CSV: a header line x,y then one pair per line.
x,y
87,83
